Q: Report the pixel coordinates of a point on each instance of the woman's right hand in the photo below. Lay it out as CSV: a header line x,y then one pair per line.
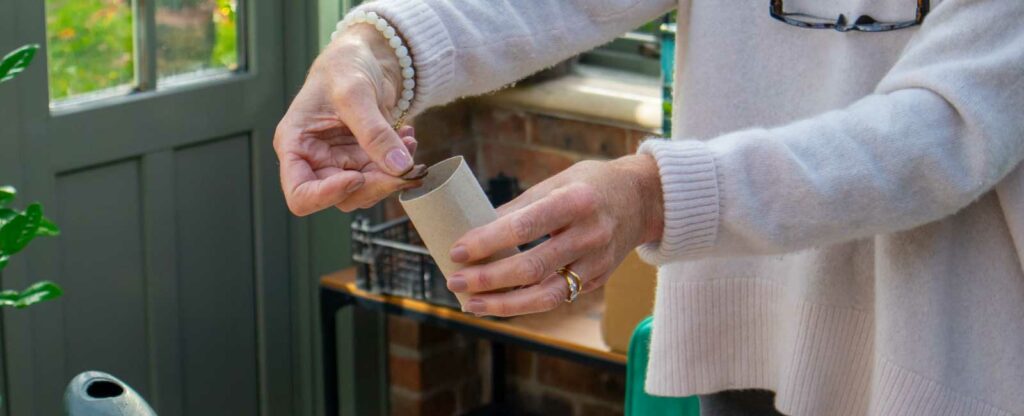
x,y
336,145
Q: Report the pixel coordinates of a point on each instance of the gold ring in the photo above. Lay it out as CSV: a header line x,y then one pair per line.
x,y
574,281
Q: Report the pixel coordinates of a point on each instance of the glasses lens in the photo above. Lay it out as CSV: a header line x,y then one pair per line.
x,y
806,18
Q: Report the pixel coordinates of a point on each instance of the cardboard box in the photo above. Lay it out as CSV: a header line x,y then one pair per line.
x,y
629,298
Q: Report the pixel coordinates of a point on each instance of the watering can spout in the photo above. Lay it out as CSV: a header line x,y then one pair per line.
x,y
95,393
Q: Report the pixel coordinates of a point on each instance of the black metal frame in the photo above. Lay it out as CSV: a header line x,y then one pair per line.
x,y
863,23
332,300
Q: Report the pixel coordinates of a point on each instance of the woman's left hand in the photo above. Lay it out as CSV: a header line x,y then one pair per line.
x,y
595,213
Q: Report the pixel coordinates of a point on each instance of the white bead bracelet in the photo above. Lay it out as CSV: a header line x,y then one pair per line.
x,y
401,52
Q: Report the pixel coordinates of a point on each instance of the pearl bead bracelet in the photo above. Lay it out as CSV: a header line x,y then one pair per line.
x,y
401,51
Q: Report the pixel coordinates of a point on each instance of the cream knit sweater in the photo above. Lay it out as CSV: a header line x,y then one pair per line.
x,y
844,214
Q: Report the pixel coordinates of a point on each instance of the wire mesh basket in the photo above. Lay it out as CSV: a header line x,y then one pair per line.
x,y
392,260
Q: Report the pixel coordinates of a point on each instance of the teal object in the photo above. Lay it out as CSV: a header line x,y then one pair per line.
x,y
668,64
95,393
638,402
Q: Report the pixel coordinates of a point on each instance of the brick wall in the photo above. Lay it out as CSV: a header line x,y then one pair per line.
x,y
434,371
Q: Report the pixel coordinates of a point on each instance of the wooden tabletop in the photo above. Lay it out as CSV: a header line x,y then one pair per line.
x,y
572,327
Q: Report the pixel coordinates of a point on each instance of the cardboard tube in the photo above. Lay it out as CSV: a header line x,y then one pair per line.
x,y
450,203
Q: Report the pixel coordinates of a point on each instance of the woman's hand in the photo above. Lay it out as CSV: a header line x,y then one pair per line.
x,y
595,213
335,144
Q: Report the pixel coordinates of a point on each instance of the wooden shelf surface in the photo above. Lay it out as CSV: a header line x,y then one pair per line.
x,y
572,327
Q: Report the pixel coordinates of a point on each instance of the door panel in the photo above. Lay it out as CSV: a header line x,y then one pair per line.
x,y
215,265
102,260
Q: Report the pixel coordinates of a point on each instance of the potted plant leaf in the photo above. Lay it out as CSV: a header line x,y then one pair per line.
x,y
19,228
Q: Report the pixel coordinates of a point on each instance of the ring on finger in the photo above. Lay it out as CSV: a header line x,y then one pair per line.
x,y
573,280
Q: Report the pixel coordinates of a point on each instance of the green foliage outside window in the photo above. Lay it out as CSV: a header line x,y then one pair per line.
x,y
90,42
89,45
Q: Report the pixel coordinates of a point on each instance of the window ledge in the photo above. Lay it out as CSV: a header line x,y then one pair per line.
x,y
592,93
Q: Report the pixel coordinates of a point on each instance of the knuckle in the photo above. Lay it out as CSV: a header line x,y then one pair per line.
x,y
583,198
297,209
379,136
501,309
549,300
483,281
602,235
603,264
346,89
534,267
279,134
521,227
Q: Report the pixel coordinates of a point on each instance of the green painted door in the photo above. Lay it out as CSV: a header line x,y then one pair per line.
x,y
145,129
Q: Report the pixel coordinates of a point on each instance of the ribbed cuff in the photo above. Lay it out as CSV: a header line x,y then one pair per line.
x,y
689,182
432,50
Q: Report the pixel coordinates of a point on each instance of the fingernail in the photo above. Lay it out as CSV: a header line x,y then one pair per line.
x,y
475,306
398,160
459,254
457,284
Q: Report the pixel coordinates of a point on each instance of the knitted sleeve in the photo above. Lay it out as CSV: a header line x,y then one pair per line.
x,y
943,127
469,47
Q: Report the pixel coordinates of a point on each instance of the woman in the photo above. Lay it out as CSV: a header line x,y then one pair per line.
x,y
839,219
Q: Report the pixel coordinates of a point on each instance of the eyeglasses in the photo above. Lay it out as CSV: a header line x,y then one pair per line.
x,y
864,23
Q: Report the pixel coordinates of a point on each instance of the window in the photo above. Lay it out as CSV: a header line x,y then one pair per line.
x,y
103,48
196,36
637,51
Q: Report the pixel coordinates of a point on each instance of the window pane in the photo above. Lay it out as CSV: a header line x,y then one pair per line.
x,y
89,46
196,36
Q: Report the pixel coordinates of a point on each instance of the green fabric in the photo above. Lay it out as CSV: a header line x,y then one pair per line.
x,y
638,402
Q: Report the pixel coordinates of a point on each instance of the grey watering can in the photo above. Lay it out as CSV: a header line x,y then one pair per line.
x,y
95,393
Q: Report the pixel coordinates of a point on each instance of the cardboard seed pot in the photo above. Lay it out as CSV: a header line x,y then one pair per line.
x,y
450,203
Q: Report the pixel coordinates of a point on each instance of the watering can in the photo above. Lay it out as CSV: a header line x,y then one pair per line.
x,y
95,393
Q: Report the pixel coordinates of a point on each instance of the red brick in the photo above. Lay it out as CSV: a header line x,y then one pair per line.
x,y
555,404
412,334
467,150
441,127
578,378
589,139
519,361
470,394
490,123
637,136
429,371
405,372
440,403
403,404
531,165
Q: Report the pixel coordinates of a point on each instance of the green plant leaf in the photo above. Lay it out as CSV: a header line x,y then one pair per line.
x,y
47,228
38,292
7,194
9,298
17,61
20,230
3,261
6,214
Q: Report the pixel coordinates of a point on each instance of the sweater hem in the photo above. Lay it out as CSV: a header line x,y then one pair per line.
x,y
743,333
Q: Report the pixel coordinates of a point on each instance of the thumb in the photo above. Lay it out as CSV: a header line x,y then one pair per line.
x,y
362,115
